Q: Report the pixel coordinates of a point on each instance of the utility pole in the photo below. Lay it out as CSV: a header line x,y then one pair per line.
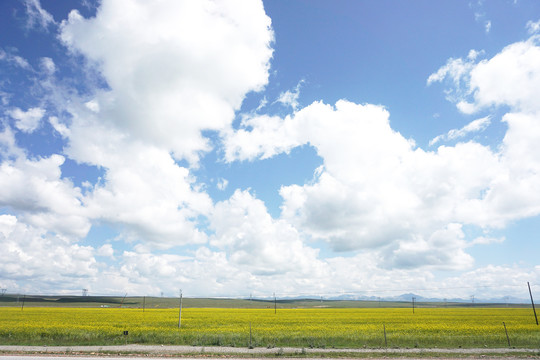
x,y
180,311
532,302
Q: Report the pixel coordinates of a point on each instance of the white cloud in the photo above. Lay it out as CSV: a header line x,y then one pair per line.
x,y
48,65
62,129
106,250
455,69
533,27
375,190
16,60
27,121
31,253
269,136
255,241
144,192
290,97
37,16
8,146
509,78
482,240
35,189
165,87
474,126
168,86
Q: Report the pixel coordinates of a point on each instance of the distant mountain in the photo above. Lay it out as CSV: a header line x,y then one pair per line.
x,y
406,298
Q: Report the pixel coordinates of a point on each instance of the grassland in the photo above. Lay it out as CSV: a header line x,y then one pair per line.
x,y
299,327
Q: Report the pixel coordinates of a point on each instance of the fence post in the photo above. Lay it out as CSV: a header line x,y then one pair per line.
x,y
506,331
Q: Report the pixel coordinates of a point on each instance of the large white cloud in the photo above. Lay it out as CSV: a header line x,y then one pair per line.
x,y
376,188
149,197
45,260
35,189
510,79
258,243
174,68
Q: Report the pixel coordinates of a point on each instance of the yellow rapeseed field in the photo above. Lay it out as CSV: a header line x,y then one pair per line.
x,y
340,328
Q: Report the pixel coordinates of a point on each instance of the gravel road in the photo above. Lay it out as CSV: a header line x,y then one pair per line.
x,y
195,350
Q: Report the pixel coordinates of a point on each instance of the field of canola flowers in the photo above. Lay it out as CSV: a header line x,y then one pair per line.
x,y
316,328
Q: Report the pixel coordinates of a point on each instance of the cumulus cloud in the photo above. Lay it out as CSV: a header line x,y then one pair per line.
x,y
27,121
32,253
144,192
474,126
257,242
376,189
165,86
511,78
476,87
35,189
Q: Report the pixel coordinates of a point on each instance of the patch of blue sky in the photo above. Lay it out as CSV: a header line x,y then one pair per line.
x,y
519,248
81,174
264,178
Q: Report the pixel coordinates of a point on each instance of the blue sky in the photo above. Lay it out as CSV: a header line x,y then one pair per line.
x,y
245,147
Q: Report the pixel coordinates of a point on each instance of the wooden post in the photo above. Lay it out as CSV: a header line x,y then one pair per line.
x,y
180,311
532,302
143,303
413,305
22,307
506,331
275,304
